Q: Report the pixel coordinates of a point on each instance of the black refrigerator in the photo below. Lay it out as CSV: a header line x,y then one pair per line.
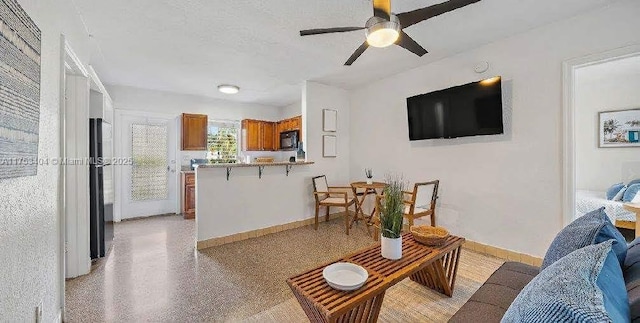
x,y
101,187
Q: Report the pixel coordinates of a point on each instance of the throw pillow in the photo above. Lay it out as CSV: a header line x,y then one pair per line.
x,y
636,199
591,228
620,194
585,286
613,190
631,193
635,181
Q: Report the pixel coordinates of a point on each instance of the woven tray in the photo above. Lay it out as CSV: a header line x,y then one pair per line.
x,y
428,235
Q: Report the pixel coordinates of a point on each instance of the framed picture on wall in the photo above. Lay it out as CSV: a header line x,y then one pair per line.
x,y
619,128
20,47
329,146
329,120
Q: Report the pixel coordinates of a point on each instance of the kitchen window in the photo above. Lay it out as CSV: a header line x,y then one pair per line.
x,y
222,141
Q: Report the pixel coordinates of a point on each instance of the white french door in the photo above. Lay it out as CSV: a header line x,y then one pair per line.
x,y
148,186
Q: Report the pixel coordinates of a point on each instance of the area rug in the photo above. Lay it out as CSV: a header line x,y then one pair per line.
x,y
408,301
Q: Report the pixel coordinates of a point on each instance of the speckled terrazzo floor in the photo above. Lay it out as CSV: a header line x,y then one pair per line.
x,y
154,274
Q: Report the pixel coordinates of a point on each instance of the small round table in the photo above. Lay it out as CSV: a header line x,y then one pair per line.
x,y
373,188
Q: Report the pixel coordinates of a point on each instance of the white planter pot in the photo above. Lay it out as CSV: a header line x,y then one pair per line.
x,y
391,248
369,181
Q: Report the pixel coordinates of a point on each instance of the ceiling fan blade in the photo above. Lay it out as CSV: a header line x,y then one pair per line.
x,y
319,31
413,17
405,41
357,54
382,8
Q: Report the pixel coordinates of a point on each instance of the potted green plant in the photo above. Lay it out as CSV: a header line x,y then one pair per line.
x,y
391,217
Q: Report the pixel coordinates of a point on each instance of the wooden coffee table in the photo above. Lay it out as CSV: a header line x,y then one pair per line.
x,y
433,267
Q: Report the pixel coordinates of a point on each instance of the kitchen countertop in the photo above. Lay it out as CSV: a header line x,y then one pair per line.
x,y
227,165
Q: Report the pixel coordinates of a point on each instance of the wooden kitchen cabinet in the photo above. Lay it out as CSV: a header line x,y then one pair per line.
x,y
188,195
251,135
194,131
268,136
258,135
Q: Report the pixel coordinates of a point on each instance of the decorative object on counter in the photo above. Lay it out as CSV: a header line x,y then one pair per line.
x,y
300,154
345,276
391,217
329,146
428,235
264,159
369,173
619,128
329,120
20,90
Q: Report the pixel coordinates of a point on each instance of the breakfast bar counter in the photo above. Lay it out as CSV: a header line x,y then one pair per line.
x,y
240,201
227,165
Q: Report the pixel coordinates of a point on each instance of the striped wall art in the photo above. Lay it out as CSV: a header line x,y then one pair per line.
x,y
19,91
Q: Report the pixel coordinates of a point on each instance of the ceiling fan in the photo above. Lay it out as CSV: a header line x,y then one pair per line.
x,y
386,28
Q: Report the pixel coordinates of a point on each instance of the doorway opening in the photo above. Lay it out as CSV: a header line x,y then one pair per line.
x,y
147,182
600,89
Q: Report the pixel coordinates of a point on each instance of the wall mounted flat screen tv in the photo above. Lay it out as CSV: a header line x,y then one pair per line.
x,y
472,109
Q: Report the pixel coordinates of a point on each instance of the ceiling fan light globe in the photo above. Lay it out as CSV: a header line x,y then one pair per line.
x,y
381,32
382,37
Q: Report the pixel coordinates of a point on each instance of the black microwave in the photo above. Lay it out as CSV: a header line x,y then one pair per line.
x,y
289,140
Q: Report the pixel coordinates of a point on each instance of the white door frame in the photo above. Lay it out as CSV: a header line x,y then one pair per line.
x,y
69,63
118,138
569,68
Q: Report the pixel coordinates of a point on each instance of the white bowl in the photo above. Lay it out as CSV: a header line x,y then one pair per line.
x,y
345,276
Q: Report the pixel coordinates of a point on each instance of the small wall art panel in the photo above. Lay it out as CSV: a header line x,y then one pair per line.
x,y
619,128
329,146
329,120
19,91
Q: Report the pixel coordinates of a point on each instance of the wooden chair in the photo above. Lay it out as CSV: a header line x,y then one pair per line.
x,y
422,202
329,196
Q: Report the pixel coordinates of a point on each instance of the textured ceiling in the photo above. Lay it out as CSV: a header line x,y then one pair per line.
x,y
191,46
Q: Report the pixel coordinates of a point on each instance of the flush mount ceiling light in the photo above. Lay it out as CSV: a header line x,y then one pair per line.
x,y
228,89
382,32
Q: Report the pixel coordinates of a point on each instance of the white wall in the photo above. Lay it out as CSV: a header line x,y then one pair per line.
x,y
29,223
503,191
292,110
599,168
317,97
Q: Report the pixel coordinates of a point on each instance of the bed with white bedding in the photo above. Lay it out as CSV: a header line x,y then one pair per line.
x,y
587,201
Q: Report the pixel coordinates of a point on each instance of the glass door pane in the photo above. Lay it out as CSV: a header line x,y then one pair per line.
x,y
149,174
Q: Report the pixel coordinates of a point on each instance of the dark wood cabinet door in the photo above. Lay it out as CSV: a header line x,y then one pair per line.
x,y
268,136
194,131
190,201
297,125
251,135
279,129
